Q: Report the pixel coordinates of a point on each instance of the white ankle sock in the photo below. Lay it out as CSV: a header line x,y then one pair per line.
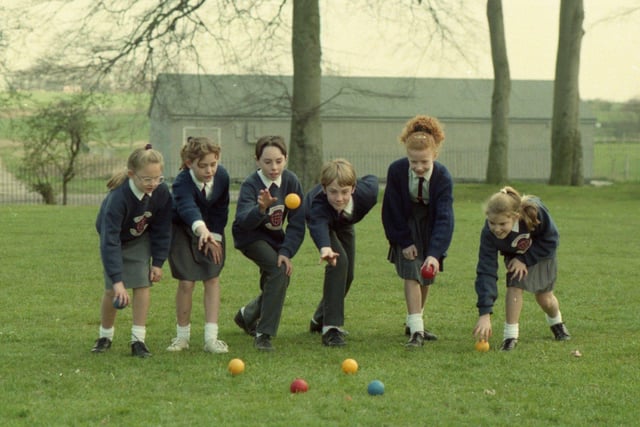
x,y
511,330
138,333
210,331
554,320
183,332
107,333
415,323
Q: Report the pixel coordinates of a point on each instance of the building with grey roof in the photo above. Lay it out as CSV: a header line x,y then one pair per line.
x,y
361,120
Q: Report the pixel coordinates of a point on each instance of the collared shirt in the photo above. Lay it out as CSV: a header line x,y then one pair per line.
x,y
136,191
208,188
348,210
268,182
413,185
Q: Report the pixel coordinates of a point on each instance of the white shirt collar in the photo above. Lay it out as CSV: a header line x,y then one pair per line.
x,y
136,191
199,184
427,176
267,182
349,208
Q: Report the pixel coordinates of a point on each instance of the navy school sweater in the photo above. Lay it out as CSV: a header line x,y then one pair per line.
x,y
123,217
250,225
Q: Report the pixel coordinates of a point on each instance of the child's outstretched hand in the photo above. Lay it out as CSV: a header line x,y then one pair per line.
x,y
265,200
327,254
483,331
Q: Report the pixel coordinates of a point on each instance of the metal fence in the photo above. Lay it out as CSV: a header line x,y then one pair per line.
x,y
612,162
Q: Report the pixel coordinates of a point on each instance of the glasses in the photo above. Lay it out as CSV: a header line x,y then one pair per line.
x,y
148,180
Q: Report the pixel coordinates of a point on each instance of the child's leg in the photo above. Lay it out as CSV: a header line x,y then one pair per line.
x,y
511,325
513,304
141,302
211,312
425,293
335,286
184,301
549,304
414,297
184,298
212,300
107,311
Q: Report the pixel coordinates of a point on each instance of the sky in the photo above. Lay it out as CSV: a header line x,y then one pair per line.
x,y
610,54
380,38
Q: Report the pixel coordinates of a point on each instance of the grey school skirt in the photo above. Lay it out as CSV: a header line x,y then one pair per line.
x,y
541,277
187,262
136,257
420,233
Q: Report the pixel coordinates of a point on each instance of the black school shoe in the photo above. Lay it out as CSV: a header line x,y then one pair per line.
x,y
560,332
139,349
333,338
315,327
509,344
102,344
239,319
417,340
428,336
263,343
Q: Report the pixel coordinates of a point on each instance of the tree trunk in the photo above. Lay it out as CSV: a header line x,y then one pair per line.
x,y
498,163
566,146
305,148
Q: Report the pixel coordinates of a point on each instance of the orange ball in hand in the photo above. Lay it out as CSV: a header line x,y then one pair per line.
x,y
482,346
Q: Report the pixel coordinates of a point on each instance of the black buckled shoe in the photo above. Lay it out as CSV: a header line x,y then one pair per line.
x,y
239,319
416,340
139,349
102,344
509,344
263,343
560,332
429,336
333,338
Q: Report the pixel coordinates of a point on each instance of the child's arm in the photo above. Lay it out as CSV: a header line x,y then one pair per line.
x,y
486,273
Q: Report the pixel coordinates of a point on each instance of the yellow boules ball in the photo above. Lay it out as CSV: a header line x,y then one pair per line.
x,y
482,346
236,366
292,201
349,366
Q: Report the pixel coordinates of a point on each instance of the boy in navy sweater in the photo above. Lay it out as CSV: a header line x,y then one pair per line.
x,y
259,233
331,210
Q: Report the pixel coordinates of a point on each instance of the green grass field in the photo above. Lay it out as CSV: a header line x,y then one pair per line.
x,y
51,283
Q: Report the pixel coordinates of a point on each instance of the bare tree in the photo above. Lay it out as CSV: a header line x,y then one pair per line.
x,y
497,166
566,146
306,127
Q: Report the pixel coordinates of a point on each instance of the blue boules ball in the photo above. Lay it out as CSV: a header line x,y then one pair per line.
x,y
375,388
116,304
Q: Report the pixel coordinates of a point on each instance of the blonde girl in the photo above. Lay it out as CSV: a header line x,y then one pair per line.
x,y
134,223
521,229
